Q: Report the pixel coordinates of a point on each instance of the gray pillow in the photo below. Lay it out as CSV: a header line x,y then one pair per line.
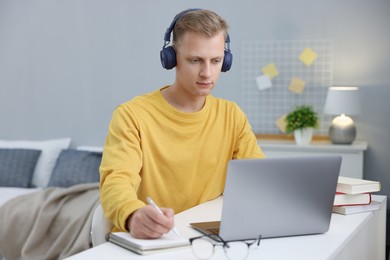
x,y
17,167
75,167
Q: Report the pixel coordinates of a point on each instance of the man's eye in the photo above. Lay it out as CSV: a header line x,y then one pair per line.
x,y
194,60
216,61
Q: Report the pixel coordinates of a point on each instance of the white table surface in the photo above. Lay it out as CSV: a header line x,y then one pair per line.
x,y
329,245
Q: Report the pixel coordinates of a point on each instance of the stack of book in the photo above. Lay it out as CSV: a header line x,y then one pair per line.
x,y
354,195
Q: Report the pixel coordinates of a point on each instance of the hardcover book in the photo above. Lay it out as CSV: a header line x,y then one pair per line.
x,y
343,199
354,186
346,210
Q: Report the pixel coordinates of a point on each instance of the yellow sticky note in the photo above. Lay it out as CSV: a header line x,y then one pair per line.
x,y
281,123
308,56
297,85
270,70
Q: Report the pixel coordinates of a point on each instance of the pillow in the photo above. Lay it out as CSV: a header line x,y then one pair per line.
x,y
17,167
50,149
76,167
97,149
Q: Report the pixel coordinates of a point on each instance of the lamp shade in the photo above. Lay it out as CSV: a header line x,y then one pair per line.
x,y
342,100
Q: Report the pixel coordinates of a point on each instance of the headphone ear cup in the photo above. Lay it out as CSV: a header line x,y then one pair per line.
x,y
227,61
168,57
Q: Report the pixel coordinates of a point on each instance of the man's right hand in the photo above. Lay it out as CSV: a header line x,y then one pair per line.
x,y
148,222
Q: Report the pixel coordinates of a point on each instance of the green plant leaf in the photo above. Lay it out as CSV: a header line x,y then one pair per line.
x,y
301,117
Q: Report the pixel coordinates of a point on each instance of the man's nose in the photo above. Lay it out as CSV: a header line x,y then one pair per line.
x,y
206,70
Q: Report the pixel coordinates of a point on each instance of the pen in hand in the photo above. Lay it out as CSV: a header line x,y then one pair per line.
x,y
151,202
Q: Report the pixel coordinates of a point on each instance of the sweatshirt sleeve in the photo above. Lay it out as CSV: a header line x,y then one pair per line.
x,y
120,168
246,145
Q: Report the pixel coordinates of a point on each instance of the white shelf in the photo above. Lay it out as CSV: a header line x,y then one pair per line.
x,y
352,155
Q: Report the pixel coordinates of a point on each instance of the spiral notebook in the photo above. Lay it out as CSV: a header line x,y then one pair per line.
x,y
167,242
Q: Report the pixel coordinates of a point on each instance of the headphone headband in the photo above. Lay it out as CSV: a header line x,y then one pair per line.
x,y
167,35
168,54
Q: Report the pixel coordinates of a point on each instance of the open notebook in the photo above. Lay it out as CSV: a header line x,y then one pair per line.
x,y
147,246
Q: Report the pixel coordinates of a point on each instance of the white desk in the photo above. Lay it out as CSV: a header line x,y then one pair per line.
x,y
352,155
358,236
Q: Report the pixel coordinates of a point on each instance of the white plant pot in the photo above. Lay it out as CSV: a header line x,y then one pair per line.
x,y
303,136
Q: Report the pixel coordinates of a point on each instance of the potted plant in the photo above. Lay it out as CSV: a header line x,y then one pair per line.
x,y
301,121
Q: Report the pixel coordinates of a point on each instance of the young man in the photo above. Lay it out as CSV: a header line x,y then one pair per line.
x,y
174,144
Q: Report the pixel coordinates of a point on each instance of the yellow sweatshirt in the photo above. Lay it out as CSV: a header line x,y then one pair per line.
x,y
178,159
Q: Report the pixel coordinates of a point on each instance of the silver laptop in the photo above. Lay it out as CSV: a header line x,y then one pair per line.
x,y
276,197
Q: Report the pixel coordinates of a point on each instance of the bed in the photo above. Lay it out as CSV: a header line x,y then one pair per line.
x,y
48,195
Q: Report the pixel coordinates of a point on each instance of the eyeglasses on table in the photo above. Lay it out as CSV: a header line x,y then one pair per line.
x,y
203,247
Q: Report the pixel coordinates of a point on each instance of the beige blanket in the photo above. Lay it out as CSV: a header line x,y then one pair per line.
x,y
50,224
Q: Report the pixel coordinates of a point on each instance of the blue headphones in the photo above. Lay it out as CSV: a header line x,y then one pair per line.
x,y
168,54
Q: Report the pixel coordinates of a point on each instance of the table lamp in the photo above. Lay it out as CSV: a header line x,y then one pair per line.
x,y
343,102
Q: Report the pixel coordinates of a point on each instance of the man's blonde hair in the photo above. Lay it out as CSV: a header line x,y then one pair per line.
x,y
201,21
